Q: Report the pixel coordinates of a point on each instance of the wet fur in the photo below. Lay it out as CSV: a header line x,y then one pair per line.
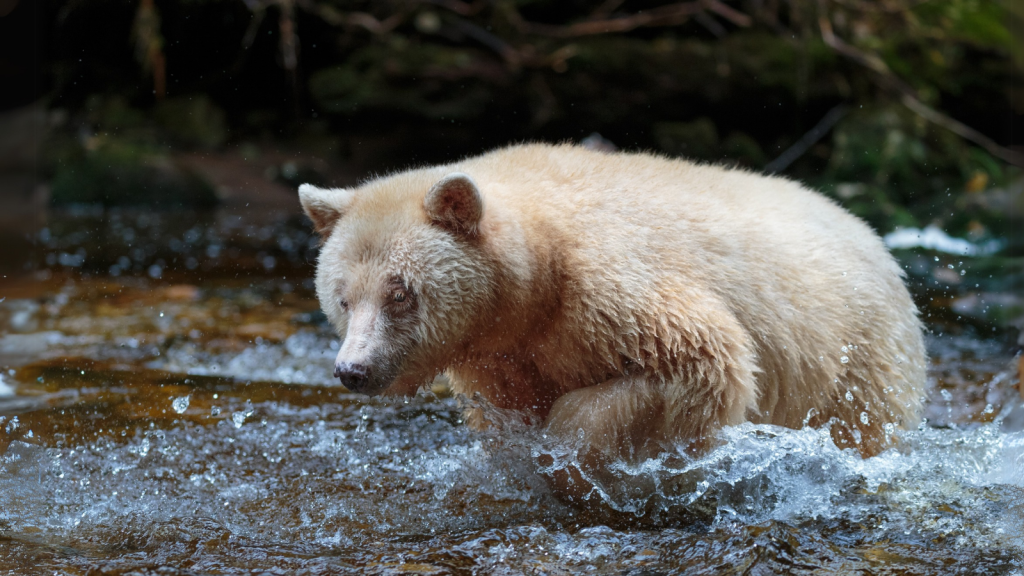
x,y
642,300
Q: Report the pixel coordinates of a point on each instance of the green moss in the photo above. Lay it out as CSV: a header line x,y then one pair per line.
x,y
697,139
192,121
913,173
429,80
116,173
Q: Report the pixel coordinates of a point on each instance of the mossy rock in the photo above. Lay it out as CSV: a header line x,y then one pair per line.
x,y
121,176
192,121
699,140
423,79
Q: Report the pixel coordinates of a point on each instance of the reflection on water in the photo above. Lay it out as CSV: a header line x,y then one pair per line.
x,y
184,420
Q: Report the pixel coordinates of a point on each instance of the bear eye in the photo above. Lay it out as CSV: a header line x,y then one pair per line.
x,y
399,296
343,303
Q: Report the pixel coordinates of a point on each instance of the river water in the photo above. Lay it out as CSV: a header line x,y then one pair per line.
x,y
167,407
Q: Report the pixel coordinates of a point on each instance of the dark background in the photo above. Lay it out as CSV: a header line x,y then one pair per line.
x,y
906,111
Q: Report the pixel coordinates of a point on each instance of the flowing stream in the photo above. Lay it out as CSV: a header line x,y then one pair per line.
x,y
167,407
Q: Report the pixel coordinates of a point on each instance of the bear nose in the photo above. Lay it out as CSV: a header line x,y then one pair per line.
x,y
355,377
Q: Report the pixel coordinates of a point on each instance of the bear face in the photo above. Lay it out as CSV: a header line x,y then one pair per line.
x,y
400,275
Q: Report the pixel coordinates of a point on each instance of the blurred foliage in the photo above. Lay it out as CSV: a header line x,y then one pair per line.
x,y
149,45
126,162
115,174
699,140
895,169
192,122
403,76
933,87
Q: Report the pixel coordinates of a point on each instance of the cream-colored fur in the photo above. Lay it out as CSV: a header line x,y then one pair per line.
x,y
642,300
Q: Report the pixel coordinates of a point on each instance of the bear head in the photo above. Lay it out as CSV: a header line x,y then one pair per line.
x,y
401,274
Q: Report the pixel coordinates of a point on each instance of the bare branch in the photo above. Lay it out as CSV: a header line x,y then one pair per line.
x,y
711,24
373,25
885,7
605,9
859,56
258,13
962,130
731,14
908,96
459,7
670,15
362,19
809,139
506,51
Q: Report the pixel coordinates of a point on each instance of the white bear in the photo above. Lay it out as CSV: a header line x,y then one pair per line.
x,y
642,300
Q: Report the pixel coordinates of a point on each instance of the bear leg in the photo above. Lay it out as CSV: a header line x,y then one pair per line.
x,y
628,419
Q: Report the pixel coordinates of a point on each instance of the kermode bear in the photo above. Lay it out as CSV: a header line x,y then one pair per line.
x,y
644,301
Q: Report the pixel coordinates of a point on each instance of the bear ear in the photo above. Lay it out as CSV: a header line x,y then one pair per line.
x,y
324,206
455,204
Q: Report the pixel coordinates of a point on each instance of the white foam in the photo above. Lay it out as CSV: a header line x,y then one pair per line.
x,y
932,238
5,389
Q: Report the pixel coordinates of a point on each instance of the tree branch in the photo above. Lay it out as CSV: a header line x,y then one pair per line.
x,y
731,14
362,19
908,96
670,15
962,130
809,139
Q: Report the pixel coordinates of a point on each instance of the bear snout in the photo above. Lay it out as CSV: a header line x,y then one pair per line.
x,y
355,377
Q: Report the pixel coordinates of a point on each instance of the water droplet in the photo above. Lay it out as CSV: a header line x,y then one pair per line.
x,y
239,417
844,359
849,396
890,428
845,349
863,417
810,414
214,411
946,395
180,404
989,409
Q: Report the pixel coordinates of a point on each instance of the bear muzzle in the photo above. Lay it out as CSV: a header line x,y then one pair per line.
x,y
355,377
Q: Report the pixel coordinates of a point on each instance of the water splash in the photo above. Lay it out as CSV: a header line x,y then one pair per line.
x,y
180,404
115,479
934,238
306,479
238,418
